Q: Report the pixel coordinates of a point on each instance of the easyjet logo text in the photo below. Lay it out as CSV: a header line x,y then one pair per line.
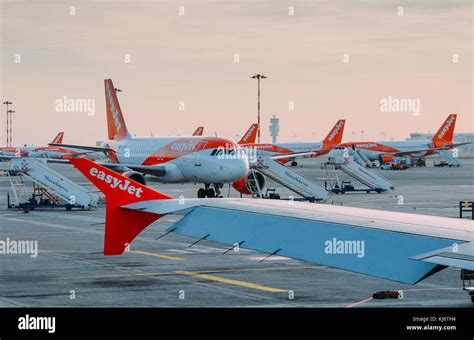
x,y
249,132
113,109
336,130
116,182
184,146
446,127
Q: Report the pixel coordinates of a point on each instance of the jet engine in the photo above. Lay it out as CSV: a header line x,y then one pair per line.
x,y
136,176
386,159
251,183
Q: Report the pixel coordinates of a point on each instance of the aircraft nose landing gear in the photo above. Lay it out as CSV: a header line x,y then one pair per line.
x,y
209,192
201,193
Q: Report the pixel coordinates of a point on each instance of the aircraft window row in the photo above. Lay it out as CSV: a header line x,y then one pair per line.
x,y
152,151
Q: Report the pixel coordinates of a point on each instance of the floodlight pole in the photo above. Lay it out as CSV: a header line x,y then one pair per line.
x,y
7,103
258,77
11,124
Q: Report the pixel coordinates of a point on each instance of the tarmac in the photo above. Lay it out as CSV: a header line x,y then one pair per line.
x,y
71,271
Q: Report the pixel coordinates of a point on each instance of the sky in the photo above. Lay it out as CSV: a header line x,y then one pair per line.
x,y
181,64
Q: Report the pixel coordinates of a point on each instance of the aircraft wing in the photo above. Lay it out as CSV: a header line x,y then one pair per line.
x,y
154,170
366,241
301,154
294,155
82,147
407,153
7,158
375,243
460,144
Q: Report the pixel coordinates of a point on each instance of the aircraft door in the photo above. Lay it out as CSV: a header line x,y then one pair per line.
x,y
198,153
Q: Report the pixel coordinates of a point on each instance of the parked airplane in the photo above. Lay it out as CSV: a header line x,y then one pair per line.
x,y
386,151
333,138
254,182
208,160
52,152
365,241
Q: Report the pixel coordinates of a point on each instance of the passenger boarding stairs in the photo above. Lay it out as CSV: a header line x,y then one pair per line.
x,y
57,186
290,179
359,157
449,158
342,160
20,193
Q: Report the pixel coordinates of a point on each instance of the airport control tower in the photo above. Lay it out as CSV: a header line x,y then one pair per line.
x,y
274,128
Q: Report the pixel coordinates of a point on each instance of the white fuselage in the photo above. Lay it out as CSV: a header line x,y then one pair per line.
x,y
373,150
301,147
185,159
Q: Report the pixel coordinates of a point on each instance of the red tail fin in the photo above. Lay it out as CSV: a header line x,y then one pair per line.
x,y
121,225
446,131
58,139
250,136
199,131
335,135
115,121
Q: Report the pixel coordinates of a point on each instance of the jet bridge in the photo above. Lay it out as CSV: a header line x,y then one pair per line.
x,y
51,182
290,179
341,159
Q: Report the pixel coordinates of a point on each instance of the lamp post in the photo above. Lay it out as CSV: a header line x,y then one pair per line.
x,y
258,77
7,103
11,124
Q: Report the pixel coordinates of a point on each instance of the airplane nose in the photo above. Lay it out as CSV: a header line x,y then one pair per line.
x,y
243,166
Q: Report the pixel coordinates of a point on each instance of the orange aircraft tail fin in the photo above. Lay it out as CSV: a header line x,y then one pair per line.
x,y
335,135
58,139
446,131
199,131
115,121
250,136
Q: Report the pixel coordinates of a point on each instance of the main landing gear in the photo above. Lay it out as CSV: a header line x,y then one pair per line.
x,y
209,192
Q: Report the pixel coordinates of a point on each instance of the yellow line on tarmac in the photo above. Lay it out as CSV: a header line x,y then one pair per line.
x,y
240,270
110,276
158,255
246,270
230,281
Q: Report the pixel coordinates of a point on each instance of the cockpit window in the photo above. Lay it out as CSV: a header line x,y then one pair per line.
x,y
220,151
216,152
